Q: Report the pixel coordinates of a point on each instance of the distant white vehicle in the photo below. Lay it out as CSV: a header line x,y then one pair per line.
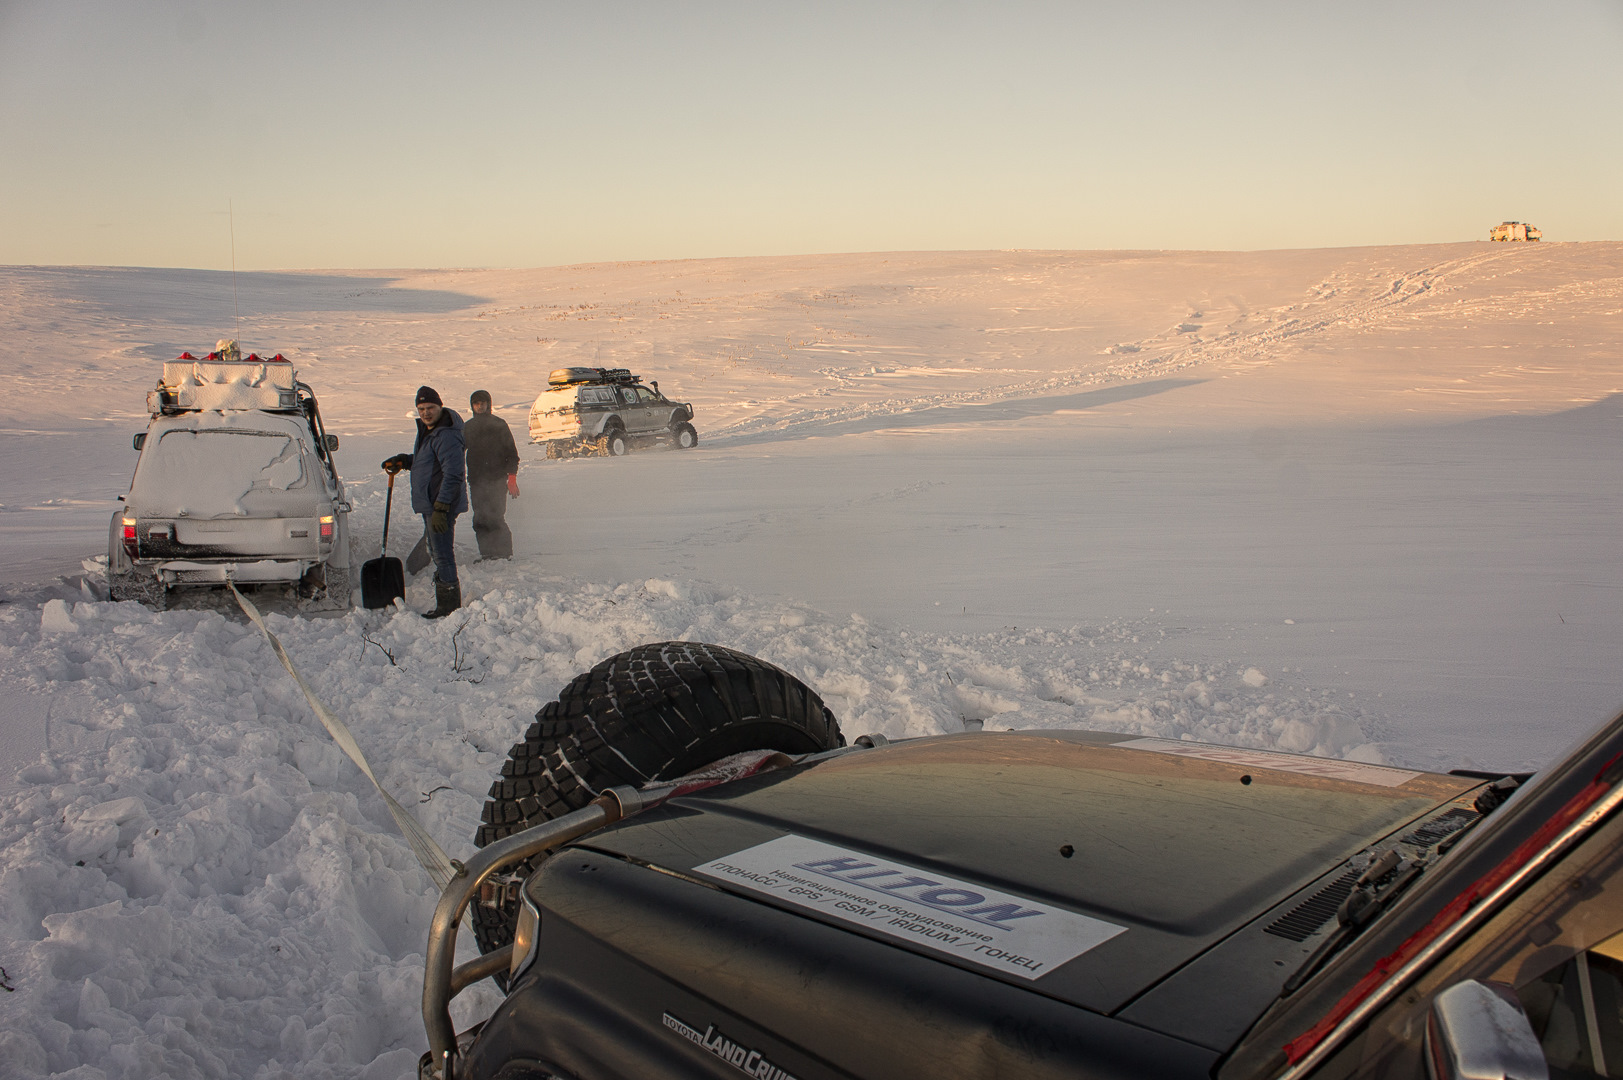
x,y
1514,230
235,482
587,410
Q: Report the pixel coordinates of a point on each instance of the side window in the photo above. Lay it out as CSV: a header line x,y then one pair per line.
x,y
1577,1011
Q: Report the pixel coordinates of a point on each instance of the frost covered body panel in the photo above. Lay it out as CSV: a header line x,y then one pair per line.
x,y
235,482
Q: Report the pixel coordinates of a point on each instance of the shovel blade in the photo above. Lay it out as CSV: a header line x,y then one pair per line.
x,y
418,558
382,582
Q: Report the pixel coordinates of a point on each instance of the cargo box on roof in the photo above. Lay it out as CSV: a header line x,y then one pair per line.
x,y
216,383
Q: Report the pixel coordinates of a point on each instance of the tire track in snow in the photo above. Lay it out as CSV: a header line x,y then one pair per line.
x,y
1290,328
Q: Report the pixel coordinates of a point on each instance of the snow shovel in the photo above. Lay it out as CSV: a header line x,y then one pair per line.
x,y
382,579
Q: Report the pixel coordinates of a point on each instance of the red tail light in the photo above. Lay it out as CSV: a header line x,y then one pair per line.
x,y
130,544
326,529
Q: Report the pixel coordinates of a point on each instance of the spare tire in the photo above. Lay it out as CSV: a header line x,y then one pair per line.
x,y
652,713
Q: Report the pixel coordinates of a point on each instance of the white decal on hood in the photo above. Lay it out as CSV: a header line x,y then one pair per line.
x,y
983,926
1330,768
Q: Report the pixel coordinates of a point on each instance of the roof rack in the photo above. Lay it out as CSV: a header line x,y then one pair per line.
x,y
569,376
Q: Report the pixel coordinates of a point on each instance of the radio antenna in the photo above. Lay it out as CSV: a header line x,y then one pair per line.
x,y
236,315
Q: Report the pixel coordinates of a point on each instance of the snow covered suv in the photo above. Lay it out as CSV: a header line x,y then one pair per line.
x,y
235,482
606,411
1039,904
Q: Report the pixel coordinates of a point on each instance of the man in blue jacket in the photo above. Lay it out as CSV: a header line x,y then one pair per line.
x,y
439,491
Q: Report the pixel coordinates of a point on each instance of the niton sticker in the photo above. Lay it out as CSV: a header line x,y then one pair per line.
x,y
998,930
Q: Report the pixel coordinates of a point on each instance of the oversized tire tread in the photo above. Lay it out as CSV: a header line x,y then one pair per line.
x,y
652,713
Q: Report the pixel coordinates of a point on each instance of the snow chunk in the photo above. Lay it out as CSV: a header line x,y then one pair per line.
x,y
54,618
1369,753
1254,678
660,587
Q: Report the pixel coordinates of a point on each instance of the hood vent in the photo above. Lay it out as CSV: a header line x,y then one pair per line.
x,y
1305,919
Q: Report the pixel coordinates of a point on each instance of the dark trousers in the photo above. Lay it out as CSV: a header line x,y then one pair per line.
x,y
440,547
489,499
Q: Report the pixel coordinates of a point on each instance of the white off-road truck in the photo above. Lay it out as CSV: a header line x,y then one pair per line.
x,y
235,482
588,410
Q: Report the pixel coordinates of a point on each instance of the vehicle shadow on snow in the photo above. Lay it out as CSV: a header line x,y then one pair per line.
x,y
971,412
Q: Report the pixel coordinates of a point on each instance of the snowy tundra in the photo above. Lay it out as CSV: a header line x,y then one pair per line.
x,y
1359,502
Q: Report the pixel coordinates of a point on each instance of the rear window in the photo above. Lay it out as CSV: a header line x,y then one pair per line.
x,y
596,395
210,471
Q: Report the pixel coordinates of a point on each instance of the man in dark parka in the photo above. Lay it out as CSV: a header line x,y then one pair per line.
x,y
439,491
492,476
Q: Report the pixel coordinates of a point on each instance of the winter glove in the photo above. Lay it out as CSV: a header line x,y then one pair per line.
x,y
512,485
396,463
440,520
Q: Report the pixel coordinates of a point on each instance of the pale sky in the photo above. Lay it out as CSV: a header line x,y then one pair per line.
x,y
360,134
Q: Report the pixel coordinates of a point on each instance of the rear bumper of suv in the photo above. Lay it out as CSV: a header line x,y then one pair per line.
x,y
277,550
192,572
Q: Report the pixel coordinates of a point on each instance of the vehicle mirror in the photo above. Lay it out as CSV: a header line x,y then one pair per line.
x,y
1477,1030
140,440
332,443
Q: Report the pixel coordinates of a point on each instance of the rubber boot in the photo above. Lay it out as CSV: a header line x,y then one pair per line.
x,y
447,598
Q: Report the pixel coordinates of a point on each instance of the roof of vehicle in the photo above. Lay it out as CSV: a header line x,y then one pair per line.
x,y
290,422
1181,844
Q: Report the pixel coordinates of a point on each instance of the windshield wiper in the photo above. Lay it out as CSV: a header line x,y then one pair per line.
x,y
1386,878
1380,883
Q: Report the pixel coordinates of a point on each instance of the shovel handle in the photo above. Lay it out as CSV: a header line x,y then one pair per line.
x,y
388,504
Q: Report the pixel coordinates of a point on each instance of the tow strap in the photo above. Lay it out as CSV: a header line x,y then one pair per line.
x,y
429,854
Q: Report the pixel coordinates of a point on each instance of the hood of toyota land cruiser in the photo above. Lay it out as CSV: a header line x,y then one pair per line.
x,y
1146,852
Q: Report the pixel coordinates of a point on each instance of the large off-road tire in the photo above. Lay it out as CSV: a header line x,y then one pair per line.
x,y
141,587
684,437
652,713
615,443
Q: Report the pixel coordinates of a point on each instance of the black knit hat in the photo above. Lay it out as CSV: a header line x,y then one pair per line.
x,y
428,393
477,396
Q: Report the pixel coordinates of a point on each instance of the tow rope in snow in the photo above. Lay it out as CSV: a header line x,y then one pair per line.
x,y
429,854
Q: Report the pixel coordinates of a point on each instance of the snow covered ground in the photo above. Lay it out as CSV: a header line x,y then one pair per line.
x,y
1355,502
